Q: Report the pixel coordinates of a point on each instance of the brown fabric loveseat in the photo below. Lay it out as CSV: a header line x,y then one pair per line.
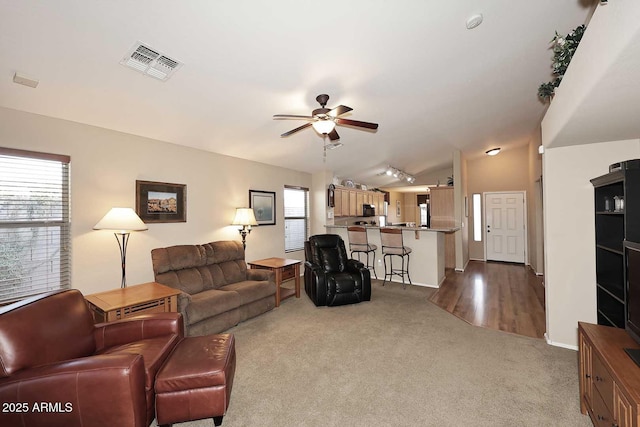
x,y
218,290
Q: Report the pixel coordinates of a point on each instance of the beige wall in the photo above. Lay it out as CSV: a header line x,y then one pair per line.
x,y
508,171
570,275
434,178
391,211
104,167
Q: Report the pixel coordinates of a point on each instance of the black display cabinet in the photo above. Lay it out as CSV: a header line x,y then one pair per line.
x,y
617,218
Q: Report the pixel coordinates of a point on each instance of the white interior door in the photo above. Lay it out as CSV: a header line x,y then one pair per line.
x,y
505,227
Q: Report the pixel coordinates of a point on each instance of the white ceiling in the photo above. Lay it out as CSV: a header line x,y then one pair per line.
x,y
409,65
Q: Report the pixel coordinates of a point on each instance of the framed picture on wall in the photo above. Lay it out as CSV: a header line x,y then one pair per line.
x,y
263,204
398,212
161,201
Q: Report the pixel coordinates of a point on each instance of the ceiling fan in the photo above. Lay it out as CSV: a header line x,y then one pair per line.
x,y
324,120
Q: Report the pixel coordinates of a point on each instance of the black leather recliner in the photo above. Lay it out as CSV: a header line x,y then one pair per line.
x,y
330,277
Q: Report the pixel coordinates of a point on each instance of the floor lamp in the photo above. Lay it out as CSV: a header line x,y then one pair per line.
x,y
246,218
122,221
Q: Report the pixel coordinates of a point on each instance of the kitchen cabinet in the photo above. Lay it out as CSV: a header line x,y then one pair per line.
x,y
337,206
349,201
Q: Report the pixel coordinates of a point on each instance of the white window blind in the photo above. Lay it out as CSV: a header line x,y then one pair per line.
x,y
34,223
296,218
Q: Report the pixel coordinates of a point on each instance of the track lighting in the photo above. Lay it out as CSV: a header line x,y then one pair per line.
x,y
400,174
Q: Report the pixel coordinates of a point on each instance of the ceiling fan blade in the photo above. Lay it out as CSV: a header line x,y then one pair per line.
x,y
357,123
333,135
292,116
340,109
306,125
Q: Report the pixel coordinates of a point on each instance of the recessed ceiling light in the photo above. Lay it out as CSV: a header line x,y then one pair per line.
x,y
474,21
493,151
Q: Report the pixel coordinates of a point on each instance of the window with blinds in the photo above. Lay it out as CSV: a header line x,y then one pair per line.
x,y
296,218
34,223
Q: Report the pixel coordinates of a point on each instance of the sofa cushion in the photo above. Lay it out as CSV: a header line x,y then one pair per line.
x,y
251,290
182,267
225,261
211,303
154,352
177,258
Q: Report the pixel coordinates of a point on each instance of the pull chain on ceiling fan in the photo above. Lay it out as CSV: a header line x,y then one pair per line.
x,y
324,120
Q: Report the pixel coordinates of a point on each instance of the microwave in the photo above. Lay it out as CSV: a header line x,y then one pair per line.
x,y
368,210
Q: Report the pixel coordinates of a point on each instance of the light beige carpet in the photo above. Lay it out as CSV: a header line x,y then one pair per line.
x,y
397,360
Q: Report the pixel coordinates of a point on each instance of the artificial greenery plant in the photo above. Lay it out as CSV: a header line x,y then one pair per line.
x,y
563,50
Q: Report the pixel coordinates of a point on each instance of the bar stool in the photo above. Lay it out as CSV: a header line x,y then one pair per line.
x,y
358,243
392,245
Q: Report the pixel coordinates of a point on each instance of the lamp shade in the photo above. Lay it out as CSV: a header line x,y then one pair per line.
x,y
244,216
121,219
324,126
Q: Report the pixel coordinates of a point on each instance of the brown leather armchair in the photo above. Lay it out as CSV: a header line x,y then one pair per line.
x,y
59,369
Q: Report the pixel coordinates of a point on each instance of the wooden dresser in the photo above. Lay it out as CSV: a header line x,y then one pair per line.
x,y
609,379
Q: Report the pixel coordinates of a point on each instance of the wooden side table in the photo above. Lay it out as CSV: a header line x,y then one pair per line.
x,y
285,269
126,302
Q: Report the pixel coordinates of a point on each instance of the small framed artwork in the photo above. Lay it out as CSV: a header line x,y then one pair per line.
x,y
161,201
398,211
263,204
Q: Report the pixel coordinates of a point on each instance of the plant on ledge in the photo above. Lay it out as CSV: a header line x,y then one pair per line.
x,y
563,50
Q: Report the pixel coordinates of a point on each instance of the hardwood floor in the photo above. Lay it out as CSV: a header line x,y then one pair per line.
x,y
503,296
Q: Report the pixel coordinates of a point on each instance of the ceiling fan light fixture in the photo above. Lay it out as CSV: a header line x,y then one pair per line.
x,y
493,151
324,127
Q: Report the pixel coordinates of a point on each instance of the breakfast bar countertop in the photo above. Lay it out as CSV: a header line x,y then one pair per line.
x,y
416,228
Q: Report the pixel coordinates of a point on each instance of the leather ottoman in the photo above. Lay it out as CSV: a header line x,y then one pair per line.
x,y
196,380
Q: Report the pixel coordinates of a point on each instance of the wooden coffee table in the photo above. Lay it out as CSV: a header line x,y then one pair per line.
x,y
121,303
285,269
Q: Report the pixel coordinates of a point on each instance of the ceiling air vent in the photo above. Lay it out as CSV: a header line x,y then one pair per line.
x,y
150,62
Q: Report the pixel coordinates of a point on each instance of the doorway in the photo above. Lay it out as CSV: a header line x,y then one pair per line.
x,y
505,226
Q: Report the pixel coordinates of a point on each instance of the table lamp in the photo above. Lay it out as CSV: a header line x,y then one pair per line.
x,y
122,221
246,218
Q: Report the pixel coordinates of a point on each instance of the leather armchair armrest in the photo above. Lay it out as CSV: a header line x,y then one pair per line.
x,y
137,328
320,291
77,386
353,265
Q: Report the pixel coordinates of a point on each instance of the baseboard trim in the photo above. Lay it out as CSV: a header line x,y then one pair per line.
x,y
559,344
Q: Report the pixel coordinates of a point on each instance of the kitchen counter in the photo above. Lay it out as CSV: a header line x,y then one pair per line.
x,y
402,227
426,263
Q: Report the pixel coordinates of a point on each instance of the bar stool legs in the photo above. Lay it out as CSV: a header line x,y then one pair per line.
x,y
397,272
358,243
369,265
392,245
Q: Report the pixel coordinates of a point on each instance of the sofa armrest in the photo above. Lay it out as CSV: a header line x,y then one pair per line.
x,y
261,274
137,328
77,389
